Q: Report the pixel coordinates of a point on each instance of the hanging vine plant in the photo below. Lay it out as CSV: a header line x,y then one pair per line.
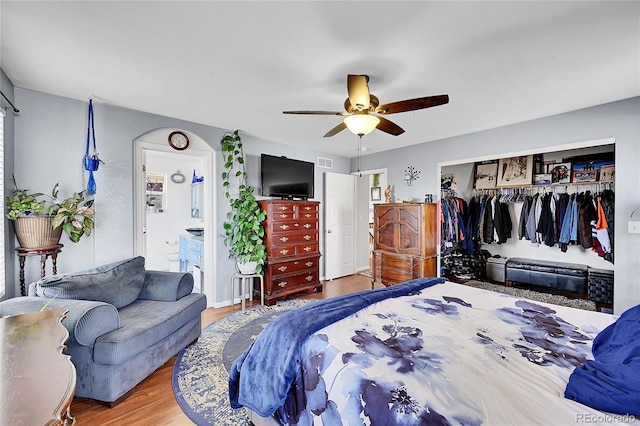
x,y
243,232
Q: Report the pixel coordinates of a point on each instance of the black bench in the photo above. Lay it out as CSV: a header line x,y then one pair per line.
x,y
556,275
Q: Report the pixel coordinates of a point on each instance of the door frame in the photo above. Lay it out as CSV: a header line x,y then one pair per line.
x,y
360,209
199,148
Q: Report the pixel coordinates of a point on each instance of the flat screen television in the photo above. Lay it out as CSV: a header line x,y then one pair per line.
x,y
286,178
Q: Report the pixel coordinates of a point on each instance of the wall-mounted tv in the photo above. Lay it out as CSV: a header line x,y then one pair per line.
x,y
286,178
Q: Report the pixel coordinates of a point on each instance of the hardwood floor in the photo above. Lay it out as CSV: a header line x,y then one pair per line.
x,y
152,401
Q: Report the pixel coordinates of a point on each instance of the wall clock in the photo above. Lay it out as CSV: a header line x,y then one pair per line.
x,y
178,140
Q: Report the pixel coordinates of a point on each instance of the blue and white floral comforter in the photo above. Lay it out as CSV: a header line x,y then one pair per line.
x,y
449,355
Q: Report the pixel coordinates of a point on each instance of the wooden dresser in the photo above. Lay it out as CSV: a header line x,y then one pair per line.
x,y
405,242
292,239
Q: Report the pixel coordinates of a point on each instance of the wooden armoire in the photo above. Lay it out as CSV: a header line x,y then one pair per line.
x,y
293,248
405,242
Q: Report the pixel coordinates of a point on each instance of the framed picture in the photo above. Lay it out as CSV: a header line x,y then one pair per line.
x,y
515,171
585,176
560,172
591,162
446,180
486,175
607,173
376,193
542,179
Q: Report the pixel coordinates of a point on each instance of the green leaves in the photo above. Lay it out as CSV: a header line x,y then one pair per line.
x,y
244,231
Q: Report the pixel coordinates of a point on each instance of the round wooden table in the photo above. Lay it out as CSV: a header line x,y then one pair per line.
x,y
44,253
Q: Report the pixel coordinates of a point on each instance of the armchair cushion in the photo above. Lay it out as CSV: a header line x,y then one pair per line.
x,y
118,283
85,320
166,286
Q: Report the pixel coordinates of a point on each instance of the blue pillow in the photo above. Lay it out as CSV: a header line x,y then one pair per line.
x,y
118,283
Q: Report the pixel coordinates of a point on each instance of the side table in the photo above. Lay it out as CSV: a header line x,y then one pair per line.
x,y
244,280
38,380
44,253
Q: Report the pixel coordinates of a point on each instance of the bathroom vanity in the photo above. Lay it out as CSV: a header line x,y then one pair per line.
x,y
191,254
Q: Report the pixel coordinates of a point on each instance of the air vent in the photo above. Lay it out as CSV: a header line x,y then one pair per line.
x,y
325,163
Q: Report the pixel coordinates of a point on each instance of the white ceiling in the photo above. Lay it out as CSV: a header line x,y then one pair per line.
x,y
239,64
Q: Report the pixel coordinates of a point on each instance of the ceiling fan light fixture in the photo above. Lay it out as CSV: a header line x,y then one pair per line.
x,y
361,124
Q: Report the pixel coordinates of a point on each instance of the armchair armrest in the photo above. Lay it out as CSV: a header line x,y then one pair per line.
x,y
166,286
86,320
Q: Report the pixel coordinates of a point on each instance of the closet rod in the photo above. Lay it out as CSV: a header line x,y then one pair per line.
x,y
16,110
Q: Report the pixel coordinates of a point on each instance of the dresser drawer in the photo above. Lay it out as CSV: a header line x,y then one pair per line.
x,y
293,225
284,282
288,238
294,266
294,250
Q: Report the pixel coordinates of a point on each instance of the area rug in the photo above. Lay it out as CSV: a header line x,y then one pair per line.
x,y
201,371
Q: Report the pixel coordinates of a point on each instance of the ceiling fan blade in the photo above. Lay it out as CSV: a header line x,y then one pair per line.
x,y
389,127
340,127
412,104
358,89
315,112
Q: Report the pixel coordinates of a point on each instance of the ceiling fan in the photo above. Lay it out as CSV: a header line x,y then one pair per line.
x,y
363,112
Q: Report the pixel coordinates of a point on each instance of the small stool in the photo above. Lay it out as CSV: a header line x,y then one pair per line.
x,y
244,278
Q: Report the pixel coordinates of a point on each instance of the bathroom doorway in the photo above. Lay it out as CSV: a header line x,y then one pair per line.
x,y
162,209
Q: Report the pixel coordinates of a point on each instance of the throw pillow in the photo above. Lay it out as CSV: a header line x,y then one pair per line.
x,y
117,283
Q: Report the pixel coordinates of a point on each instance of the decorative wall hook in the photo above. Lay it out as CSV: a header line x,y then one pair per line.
x,y
411,174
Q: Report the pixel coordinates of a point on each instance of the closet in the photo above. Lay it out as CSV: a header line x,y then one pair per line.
x,y
527,220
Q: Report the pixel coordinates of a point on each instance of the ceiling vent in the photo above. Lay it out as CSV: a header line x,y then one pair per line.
x,y
325,163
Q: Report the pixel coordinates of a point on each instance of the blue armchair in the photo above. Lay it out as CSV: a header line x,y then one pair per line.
x,y
124,322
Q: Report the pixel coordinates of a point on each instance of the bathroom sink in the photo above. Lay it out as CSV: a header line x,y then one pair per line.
x,y
198,232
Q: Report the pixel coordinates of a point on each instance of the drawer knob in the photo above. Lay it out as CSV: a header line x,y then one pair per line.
x,y
307,215
307,249
282,284
283,215
307,225
307,208
296,224
284,227
307,237
309,278
309,264
283,207
284,239
284,251
282,268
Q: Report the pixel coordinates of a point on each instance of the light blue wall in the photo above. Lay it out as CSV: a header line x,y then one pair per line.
x,y
50,138
9,246
619,120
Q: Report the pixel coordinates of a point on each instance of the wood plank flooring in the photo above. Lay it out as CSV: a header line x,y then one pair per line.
x,y
152,401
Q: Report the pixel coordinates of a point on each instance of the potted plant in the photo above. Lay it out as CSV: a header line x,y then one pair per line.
x,y
243,233
39,223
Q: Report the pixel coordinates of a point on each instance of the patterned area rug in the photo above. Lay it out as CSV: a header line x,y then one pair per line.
x,y
201,371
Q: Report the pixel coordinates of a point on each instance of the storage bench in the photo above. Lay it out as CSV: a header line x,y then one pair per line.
x,y
600,286
557,275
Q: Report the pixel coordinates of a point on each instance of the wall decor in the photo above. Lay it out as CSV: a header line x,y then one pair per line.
x,y
542,179
585,176
560,172
376,193
515,171
591,161
607,173
446,180
486,175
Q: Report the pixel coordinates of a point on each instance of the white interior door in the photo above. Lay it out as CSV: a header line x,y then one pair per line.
x,y
339,208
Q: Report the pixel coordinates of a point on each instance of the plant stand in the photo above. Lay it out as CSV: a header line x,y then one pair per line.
x,y
44,253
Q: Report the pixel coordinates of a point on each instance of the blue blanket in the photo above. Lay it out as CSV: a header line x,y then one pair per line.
x,y
262,375
611,382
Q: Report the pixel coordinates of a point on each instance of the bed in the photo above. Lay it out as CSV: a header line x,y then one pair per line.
x,y
431,351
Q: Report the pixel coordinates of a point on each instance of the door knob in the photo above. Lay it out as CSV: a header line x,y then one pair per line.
x,y
328,231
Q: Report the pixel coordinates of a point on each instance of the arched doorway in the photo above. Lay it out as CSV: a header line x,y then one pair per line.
x,y
157,231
